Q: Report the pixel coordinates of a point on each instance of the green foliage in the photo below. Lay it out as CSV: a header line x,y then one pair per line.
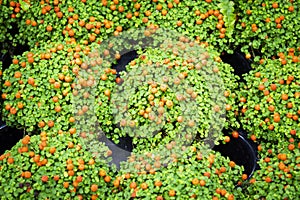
x,y
272,101
35,79
138,95
1,82
1,73
10,14
47,21
198,176
41,87
227,9
34,170
277,173
257,30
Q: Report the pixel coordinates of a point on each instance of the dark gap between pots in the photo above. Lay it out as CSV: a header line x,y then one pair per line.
x,y
238,62
240,150
9,137
124,60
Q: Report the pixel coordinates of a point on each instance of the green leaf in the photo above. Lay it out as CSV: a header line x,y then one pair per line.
x,y
227,9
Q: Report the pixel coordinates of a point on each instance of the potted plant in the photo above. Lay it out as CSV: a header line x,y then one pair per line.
x,y
207,21
151,88
264,29
165,174
269,101
51,165
279,171
268,110
37,87
9,17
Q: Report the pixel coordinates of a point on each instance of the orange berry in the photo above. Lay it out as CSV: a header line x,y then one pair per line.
x,y
244,176
172,193
202,183
107,179
94,188
27,174
235,134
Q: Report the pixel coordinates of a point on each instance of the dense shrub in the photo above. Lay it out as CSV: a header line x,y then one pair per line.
x,y
53,166
265,28
269,101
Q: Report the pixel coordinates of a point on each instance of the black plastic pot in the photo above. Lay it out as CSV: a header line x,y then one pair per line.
x,y
120,151
124,60
6,58
8,137
242,151
238,62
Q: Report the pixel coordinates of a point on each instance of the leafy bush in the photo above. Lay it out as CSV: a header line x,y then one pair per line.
x,y
9,16
37,89
209,21
169,174
166,91
269,101
196,118
279,171
56,21
265,28
53,166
